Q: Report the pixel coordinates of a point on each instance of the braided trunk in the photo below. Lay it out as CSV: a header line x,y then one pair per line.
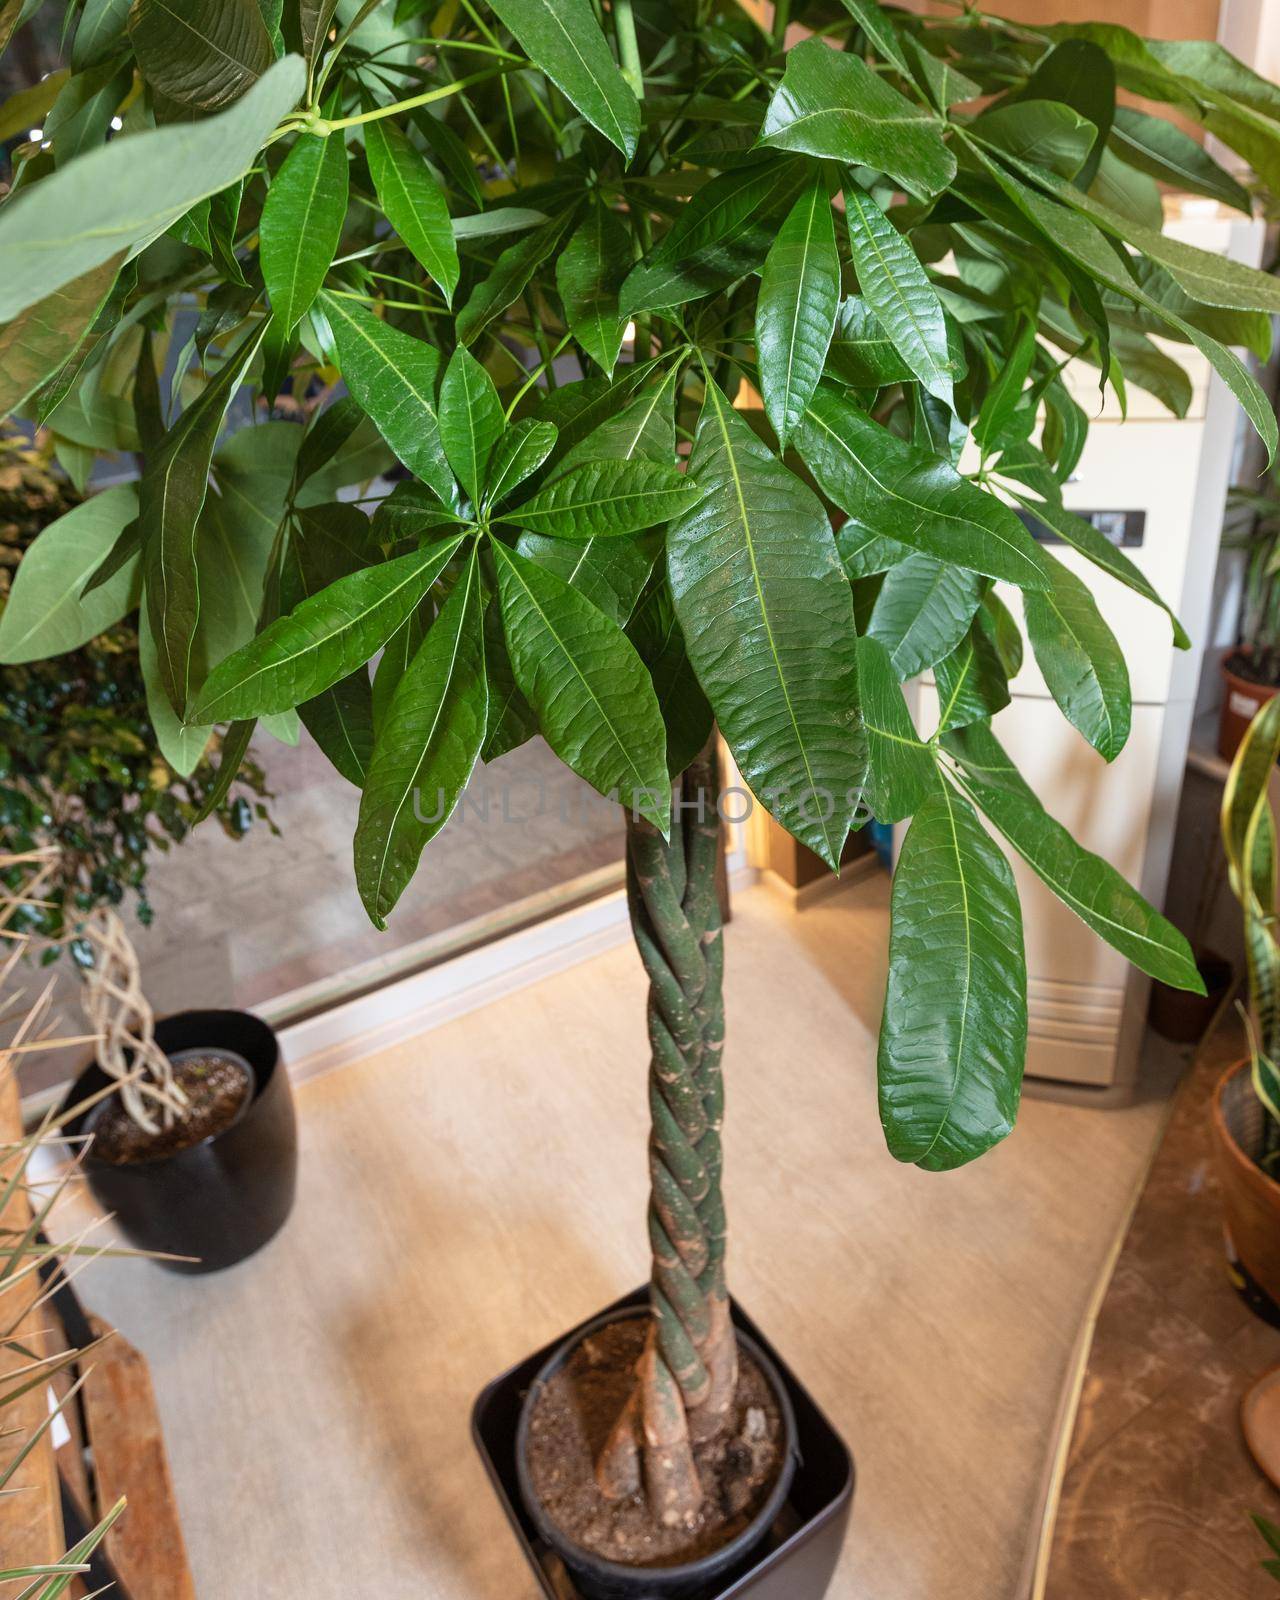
x,y
688,1373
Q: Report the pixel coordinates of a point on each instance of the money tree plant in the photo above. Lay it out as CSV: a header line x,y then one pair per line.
x,y
723,357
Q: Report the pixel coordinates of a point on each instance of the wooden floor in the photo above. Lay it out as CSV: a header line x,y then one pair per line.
x,y
1159,1483
467,1196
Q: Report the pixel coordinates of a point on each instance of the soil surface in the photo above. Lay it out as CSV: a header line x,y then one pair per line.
x,y
217,1089
571,1420
1243,665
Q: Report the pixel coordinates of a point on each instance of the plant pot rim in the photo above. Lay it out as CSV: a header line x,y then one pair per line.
x,y
1228,1139
260,1074
715,1561
1266,689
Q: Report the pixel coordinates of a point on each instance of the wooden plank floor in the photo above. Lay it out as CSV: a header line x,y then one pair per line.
x,y
468,1195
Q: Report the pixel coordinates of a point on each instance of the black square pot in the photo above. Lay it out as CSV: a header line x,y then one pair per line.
x,y
800,1552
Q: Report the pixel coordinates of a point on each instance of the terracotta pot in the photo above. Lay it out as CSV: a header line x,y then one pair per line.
x,y
1241,702
1250,1199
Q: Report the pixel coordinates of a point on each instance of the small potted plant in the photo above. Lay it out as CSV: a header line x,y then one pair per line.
x,y
194,1154
1246,1106
1251,668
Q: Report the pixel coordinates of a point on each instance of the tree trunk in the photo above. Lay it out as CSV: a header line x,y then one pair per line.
x,y
689,1371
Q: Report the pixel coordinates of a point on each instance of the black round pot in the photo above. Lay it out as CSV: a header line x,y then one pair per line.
x,y
224,1198
599,1579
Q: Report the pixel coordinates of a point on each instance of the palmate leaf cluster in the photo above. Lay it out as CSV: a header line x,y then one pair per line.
x,y
716,374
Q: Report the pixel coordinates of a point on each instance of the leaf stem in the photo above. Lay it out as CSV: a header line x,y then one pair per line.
x,y
624,23
323,125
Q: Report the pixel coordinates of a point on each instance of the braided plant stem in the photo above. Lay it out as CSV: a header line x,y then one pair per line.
x,y
689,1371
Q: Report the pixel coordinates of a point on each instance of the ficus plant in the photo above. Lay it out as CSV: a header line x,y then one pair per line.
x,y
721,355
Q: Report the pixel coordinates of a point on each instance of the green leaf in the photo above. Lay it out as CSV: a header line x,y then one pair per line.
x,y
131,190
1043,132
202,53
511,721
413,202
603,499
235,747
427,746
895,287
517,455
171,495
880,31
611,573
323,640
1169,155
41,339
923,611
832,105
655,632
301,225
563,39
315,18
80,118
1079,74
862,354
900,766
181,745
892,489
1080,659
99,32
796,309
953,1037
1086,883
509,278
393,376
972,682
471,420
767,619
723,233
588,272
589,689
640,429
44,614
332,542
1002,398
28,108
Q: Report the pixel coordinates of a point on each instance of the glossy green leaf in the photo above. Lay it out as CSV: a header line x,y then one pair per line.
x,y
202,53
563,39
611,573
724,232
862,354
900,766
890,488
1079,74
1043,132
80,118
171,495
589,689
767,618
511,721
589,271
880,31
427,746
1081,535
954,1033
972,682
44,614
394,377
895,286
323,640
413,202
471,420
655,632
796,309
119,197
643,428
923,611
518,454
38,342
832,105
301,225
509,277
604,499
1003,397
1166,153
1081,661
1090,886
331,542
